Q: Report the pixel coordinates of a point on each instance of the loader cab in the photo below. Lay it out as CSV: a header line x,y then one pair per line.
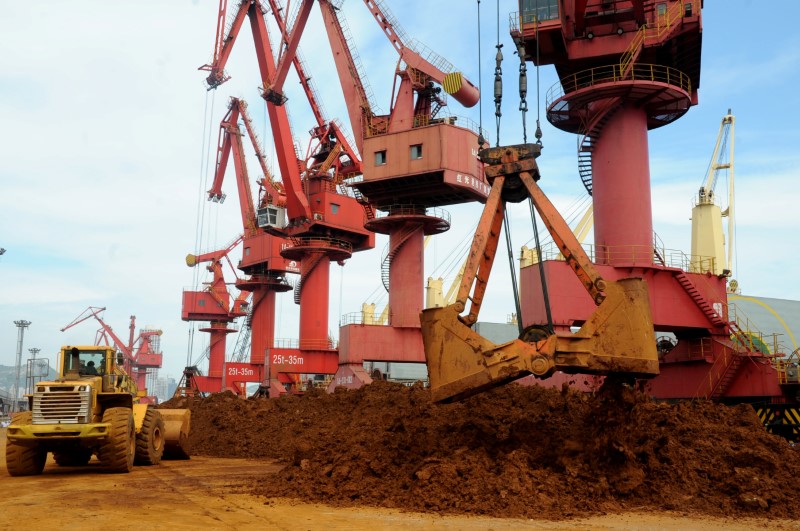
x,y
80,362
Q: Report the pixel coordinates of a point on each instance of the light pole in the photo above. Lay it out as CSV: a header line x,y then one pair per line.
x,y
21,326
34,351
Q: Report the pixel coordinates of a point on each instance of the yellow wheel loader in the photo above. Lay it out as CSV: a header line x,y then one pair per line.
x,y
93,408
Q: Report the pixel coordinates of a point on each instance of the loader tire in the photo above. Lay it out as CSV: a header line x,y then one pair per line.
x,y
119,449
150,440
75,457
22,460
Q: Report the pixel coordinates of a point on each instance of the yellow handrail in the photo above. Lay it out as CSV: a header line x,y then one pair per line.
x,y
665,22
613,73
714,374
627,57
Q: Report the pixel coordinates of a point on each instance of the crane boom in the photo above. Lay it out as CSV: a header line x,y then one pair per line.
x,y
218,287
272,77
363,119
273,189
359,107
305,79
708,240
230,141
442,72
291,55
94,311
212,256
220,33
296,202
289,52
719,156
223,44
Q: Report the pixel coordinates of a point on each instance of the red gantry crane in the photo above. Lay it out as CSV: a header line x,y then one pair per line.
x,y
140,354
214,305
625,68
414,162
264,267
323,223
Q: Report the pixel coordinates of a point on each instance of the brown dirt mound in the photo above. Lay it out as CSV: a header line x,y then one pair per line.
x,y
517,451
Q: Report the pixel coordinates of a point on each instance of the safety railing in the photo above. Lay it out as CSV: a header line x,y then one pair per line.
x,y
329,160
746,338
422,50
269,279
653,32
789,368
414,210
431,57
375,125
711,381
310,82
633,49
321,241
514,22
360,318
613,73
532,12
656,26
753,338
306,344
635,254
662,23
350,181
422,120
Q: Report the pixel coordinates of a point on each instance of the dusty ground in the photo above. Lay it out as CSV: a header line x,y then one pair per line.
x,y
211,493
385,457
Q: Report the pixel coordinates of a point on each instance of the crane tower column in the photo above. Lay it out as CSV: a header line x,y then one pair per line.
x,y
314,299
623,226
406,275
264,314
216,355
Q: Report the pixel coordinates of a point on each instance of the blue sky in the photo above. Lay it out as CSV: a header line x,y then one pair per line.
x,y
104,156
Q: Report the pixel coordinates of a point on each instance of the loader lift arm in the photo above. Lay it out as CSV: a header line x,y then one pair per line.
x,y
618,337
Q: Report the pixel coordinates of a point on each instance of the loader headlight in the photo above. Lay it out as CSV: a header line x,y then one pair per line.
x,y
83,388
40,389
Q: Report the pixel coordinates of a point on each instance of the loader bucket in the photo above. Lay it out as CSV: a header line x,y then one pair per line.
x,y
176,432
